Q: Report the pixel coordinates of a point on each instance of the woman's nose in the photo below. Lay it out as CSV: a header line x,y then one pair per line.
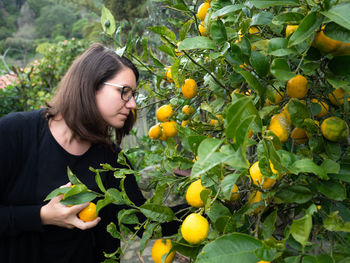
x,y
131,104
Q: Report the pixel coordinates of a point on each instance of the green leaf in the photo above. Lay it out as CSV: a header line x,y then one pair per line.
x,y
294,194
217,210
269,3
260,63
330,166
262,18
308,166
107,21
280,69
234,114
147,234
163,31
112,230
72,177
279,47
306,28
79,199
208,157
226,10
127,216
235,158
298,112
185,29
253,82
237,246
337,32
335,223
218,31
339,14
198,42
227,184
301,229
103,202
158,195
157,213
343,174
290,18
116,195
332,189
56,192
269,224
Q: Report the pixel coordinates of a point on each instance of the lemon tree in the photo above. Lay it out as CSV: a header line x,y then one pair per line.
x,y
268,136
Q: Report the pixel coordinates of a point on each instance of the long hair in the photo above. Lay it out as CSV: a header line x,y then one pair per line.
x,y
75,98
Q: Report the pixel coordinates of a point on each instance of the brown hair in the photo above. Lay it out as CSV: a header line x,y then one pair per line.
x,y
75,98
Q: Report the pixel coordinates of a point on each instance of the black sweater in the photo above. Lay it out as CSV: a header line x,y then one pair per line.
x,y
32,164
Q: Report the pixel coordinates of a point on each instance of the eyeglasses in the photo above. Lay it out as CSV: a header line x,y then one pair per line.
x,y
127,92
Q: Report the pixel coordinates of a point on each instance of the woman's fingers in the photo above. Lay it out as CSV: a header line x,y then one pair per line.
x,y
78,223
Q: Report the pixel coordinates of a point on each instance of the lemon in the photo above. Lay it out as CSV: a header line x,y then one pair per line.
x,y
202,10
234,194
253,30
324,108
155,131
164,112
88,213
259,179
334,129
195,228
297,87
187,109
280,126
168,75
202,29
337,96
160,248
189,89
193,194
290,29
299,135
169,128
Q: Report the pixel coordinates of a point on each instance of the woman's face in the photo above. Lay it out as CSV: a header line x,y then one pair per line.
x,y
110,104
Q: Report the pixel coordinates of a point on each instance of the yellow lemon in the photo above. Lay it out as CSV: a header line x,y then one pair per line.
x,y
164,112
337,96
169,128
155,131
259,179
193,194
297,87
168,75
88,213
324,107
202,10
334,129
280,126
187,109
162,247
189,89
202,29
290,29
195,228
299,135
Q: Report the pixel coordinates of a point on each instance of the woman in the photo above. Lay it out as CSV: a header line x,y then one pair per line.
x,y
95,97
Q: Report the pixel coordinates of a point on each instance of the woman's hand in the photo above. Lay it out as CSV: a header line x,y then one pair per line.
x,y
55,213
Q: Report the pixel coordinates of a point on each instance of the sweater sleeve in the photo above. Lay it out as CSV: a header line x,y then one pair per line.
x,y
14,219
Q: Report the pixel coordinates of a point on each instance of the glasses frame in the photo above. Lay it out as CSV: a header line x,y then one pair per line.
x,y
133,92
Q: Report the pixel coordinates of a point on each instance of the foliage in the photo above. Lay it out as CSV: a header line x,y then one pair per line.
x,y
304,216
37,81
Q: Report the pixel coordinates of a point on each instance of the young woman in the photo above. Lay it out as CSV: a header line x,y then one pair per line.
x,y
93,104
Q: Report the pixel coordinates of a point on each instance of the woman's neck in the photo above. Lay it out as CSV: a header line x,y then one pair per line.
x,y
65,137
